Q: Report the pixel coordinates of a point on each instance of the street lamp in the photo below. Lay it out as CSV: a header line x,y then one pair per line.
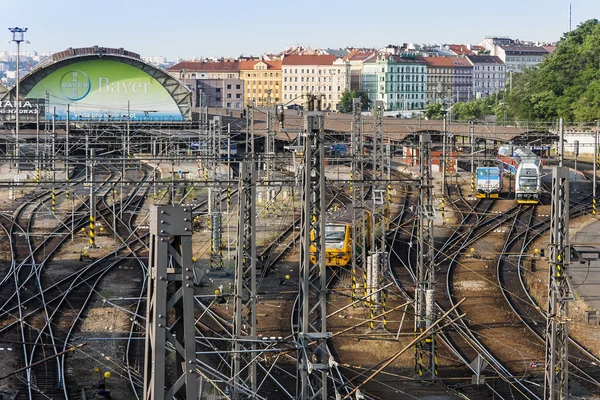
x,y
17,37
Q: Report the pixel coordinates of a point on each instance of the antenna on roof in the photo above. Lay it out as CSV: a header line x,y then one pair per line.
x,y
569,17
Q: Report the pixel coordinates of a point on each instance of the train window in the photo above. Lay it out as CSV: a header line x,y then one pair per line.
x,y
335,233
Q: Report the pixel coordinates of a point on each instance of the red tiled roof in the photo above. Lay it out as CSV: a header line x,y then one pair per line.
x,y
295,59
209,66
550,49
460,49
438,61
359,55
460,61
249,65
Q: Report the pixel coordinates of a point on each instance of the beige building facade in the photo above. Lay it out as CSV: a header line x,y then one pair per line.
x,y
262,82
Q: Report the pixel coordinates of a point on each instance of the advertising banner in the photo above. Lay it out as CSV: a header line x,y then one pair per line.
x,y
105,90
28,110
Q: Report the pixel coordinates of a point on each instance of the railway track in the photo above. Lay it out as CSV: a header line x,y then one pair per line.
x,y
525,229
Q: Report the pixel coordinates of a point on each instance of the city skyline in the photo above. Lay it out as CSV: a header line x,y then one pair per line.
x,y
269,27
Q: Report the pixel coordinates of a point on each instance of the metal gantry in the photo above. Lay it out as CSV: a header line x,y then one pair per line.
x,y
560,292
244,326
312,335
170,311
425,295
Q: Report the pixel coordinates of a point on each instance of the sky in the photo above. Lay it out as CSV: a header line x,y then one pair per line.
x,y
208,28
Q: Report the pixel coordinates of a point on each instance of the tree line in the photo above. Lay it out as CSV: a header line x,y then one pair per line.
x,y
565,85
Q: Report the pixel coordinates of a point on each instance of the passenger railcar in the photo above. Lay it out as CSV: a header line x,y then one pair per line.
x,y
339,242
490,180
528,181
527,168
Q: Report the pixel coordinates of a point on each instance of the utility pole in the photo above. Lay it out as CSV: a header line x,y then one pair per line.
x,y
124,144
313,355
53,160
472,140
128,133
443,166
576,154
244,337
561,142
425,295
18,35
37,145
270,152
376,260
559,291
357,188
216,224
170,292
66,152
250,130
596,162
92,199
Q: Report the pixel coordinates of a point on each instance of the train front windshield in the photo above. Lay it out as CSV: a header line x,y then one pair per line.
x,y
488,173
335,235
528,180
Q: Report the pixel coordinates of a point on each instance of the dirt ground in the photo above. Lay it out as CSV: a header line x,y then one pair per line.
x,y
587,334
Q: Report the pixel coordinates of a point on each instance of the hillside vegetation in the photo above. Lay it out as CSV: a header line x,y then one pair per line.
x,y
565,85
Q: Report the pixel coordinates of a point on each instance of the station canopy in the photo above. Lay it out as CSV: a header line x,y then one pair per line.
x,y
98,84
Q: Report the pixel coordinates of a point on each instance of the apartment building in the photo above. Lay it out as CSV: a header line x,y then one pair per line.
x,y
397,80
440,80
463,79
262,82
517,58
489,75
356,58
213,83
318,74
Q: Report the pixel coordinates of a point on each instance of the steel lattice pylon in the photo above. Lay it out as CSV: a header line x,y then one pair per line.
x,y
244,363
170,288
313,357
379,187
357,191
559,291
424,295
216,224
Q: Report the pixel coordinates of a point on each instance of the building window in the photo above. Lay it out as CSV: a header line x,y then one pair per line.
x,y
218,90
228,95
238,96
218,99
228,87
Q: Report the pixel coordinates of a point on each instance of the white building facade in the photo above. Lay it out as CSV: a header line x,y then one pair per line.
x,y
321,75
489,75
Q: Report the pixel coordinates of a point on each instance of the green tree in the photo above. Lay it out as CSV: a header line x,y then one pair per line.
x,y
565,84
347,97
433,111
